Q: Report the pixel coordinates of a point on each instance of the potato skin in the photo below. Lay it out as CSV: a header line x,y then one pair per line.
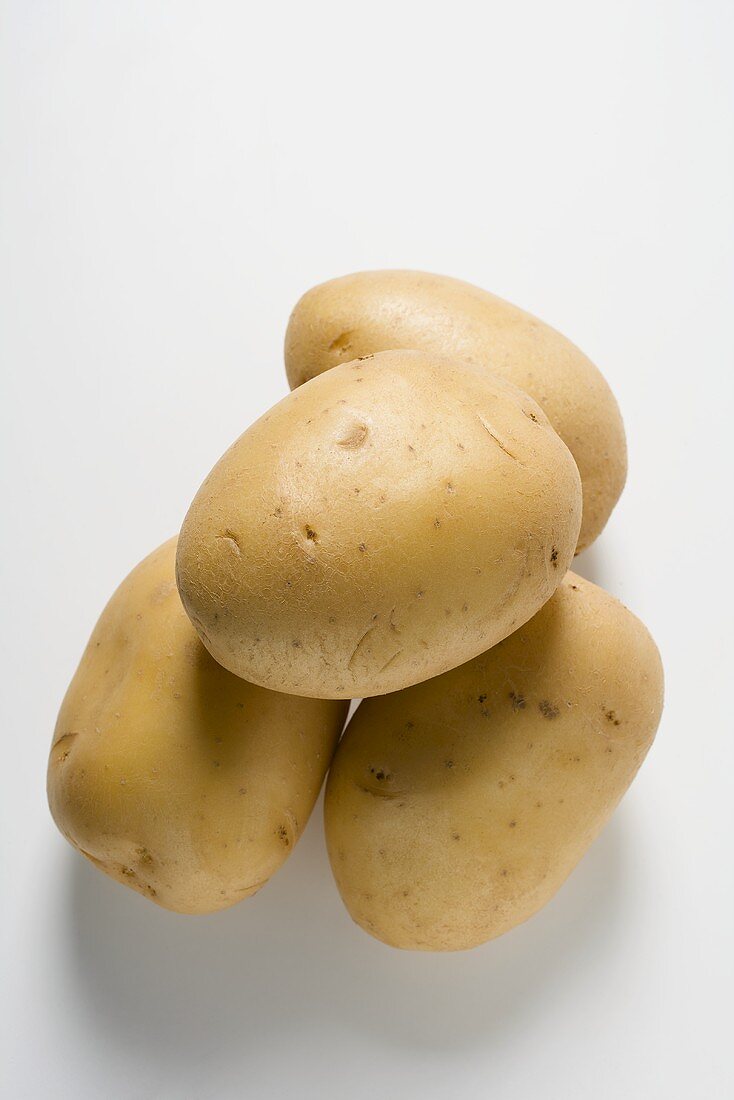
x,y
455,810
171,775
373,311
381,524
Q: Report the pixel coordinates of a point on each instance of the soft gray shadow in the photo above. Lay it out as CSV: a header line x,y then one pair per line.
x,y
592,564
164,988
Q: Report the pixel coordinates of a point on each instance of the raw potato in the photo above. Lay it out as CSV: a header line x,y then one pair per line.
x,y
385,522
455,809
170,774
377,310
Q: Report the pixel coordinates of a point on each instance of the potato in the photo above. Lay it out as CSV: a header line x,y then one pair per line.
x,y
170,774
380,525
379,310
455,809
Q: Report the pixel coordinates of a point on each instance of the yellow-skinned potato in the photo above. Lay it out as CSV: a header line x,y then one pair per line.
x,y
455,810
381,524
375,311
170,774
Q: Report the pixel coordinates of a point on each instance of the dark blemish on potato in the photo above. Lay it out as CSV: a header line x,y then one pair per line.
x,y
504,872
406,893
538,805
310,534
241,706
216,763
420,594
283,836
501,783
554,558
296,644
362,548
343,341
482,698
512,825
448,763
363,358
411,448
449,487
547,709
381,775
437,523
242,790
575,587
531,416
128,872
517,700
144,855
611,716
461,446
465,607
332,619
609,749
456,836
356,490
576,759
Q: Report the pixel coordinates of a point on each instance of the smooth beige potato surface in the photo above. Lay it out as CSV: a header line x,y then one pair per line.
x,y
385,522
375,311
455,810
170,774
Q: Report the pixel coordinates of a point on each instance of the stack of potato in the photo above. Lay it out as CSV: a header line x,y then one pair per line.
x,y
398,529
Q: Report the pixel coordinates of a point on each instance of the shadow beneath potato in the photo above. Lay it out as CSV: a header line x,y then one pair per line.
x,y
592,565
169,989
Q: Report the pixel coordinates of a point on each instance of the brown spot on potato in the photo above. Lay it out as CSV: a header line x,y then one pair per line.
x,y
517,700
310,534
547,709
554,557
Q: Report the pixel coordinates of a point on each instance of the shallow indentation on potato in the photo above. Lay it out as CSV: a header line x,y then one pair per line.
x,y
354,436
231,539
343,341
63,747
493,435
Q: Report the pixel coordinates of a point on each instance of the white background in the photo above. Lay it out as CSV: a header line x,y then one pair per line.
x,y
172,177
